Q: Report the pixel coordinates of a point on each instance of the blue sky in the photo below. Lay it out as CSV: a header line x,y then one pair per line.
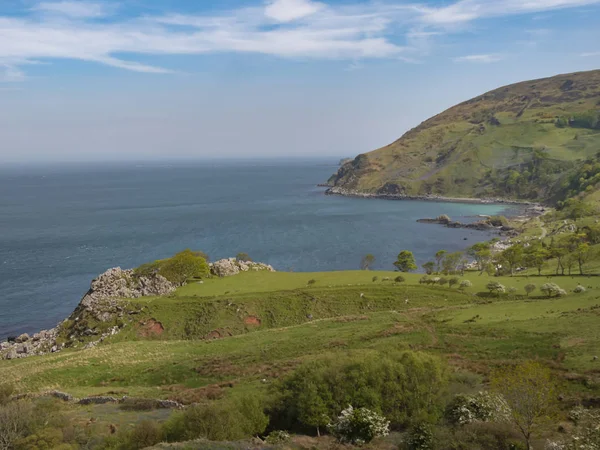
x,y
159,79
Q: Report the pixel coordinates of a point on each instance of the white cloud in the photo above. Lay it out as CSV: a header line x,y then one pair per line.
x,y
468,10
281,28
289,10
484,59
590,54
74,9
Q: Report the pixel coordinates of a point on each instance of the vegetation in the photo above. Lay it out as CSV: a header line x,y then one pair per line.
x,y
531,140
179,268
406,261
367,261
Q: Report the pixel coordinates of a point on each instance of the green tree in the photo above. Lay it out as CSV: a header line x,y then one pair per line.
x,y
512,257
453,263
529,288
367,261
312,407
536,256
183,266
482,254
530,392
243,257
429,267
406,261
495,287
439,256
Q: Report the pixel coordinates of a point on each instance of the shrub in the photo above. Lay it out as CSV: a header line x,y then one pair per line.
x,y
243,257
579,289
182,266
311,282
359,426
6,391
512,290
481,407
139,404
420,437
47,438
498,221
442,281
495,287
425,279
224,420
453,281
465,284
551,289
145,434
374,279
318,390
278,437
16,421
529,288
444,218
399,279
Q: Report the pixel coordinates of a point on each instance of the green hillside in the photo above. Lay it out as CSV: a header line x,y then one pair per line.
x,y
521,141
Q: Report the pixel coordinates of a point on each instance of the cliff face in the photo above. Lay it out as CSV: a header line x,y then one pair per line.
x,y
102,312
518,141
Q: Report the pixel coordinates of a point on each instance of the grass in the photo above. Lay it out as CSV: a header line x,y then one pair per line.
x,y
299,323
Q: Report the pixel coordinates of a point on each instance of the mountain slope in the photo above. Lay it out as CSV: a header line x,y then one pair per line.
x,y
519,141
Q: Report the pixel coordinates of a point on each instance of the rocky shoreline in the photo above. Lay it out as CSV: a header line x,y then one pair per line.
x,y
104,311
430,198
481,225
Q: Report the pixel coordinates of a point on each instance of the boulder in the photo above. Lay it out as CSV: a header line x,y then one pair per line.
x,y
231,266
22,338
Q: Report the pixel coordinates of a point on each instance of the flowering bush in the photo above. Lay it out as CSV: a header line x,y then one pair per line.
x,y
358,426
587,434
496,287
481,407
465,284
278,437
579,289
551,289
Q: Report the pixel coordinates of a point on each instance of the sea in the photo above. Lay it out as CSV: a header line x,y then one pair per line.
x,y
62,225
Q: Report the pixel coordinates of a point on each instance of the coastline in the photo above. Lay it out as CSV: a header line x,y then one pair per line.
x,y
429,198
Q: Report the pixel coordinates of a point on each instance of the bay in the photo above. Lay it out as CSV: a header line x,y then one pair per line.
x,y
60,226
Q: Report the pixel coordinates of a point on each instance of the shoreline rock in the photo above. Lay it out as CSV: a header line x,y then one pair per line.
x,y
430,198
481,225
231,266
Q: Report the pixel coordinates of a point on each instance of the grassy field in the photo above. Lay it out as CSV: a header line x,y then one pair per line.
x,y
340,312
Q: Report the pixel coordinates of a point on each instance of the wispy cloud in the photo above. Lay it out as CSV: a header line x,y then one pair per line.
x,y
484,59
590,54
74,9
288,10
282,28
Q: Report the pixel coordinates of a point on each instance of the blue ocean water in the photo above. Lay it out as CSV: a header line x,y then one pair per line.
x,y
62,226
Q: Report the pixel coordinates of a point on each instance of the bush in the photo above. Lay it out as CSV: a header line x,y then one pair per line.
x,y
530,288
278,437
145,434
442,281
6,391
465,284
243,257
444,218
453,281
220,421
399,279
16,422
420,437
498,221
311,282
139,404
495,287
177,269
551,289
374,279
481,407
578,290
359,426
317,391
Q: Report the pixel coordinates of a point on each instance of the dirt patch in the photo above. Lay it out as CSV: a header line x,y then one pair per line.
x,y
574,342
218,334
150,328
252,320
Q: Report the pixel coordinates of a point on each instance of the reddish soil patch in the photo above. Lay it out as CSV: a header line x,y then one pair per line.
x,y
218,334
151,328
252,320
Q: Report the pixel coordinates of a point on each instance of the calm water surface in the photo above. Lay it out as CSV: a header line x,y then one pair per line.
x,y
60,227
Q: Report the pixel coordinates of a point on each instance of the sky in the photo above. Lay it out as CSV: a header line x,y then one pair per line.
x,y
149,80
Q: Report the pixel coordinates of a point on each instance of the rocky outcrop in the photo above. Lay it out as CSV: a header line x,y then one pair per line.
x,y
102,303
231,266
482,225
